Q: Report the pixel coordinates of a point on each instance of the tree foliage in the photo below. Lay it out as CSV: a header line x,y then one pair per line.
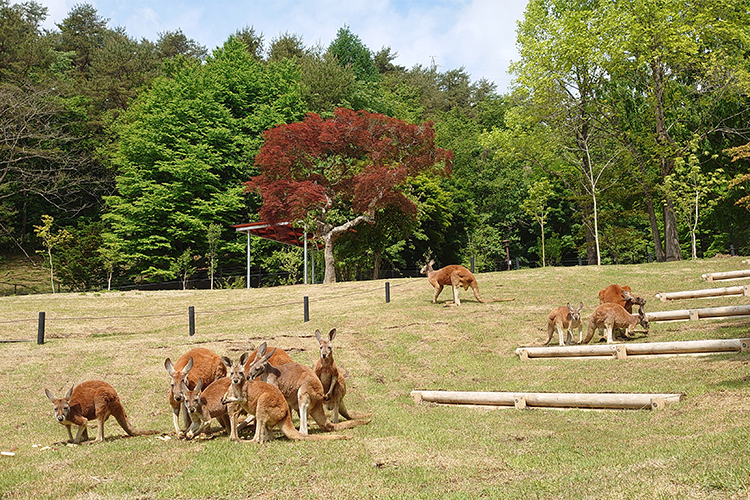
x,y
338,172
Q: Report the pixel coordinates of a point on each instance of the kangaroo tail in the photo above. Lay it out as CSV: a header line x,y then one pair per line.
x,y
287,427
475,288
118,411
589,333
349,424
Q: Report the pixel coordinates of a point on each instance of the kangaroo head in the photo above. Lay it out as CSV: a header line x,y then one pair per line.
x,y
192,398
61,405
178,377
326,346
258,366
642,318
427,267
575,314
236,371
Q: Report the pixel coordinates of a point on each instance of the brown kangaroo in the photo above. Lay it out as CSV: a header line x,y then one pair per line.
x,y
302,390
197,363
269,407
334,383
93,399
280,357
609,316
236,375
620,295
205,405
455,276
564,320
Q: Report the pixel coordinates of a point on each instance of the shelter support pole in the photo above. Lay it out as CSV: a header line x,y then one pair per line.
x,y
248,259
305,255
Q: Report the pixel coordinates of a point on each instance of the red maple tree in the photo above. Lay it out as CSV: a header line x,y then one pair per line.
x,y
352,164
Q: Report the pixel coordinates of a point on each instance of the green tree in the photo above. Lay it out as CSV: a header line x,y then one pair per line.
x,y
174,43
213,238
184,149
350,52
692,192
536,206
50,240
83,32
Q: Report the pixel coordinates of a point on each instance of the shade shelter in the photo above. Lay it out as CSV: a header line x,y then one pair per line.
x,y
283,232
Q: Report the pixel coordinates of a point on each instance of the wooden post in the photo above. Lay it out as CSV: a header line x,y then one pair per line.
x,y
40,330
191,320
622,352
728,275
694,315
519,402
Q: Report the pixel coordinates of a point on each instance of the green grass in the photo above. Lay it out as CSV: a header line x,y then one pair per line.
x,y
693,449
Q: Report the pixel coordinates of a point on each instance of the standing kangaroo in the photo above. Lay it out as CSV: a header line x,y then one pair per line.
x,y
609,316
93,399
455,276
205,405
303,392
198,363
268,405
564,320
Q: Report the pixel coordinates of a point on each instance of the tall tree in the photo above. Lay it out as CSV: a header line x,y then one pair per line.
x,y
336,173
350,52
184,149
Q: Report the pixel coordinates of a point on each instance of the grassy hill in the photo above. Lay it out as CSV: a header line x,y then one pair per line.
x,y
693,449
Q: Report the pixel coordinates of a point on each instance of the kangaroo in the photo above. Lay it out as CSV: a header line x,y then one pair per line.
x,y
564,320
334,383
198,363
93,399
303,392
609,316
235,391
269,407
455,276
280,357
203,406
622,295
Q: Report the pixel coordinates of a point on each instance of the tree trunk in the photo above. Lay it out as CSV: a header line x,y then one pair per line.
x,y
658,248
672,251
330,270
376,266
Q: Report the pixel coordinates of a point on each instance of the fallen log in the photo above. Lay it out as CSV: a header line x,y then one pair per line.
x,y
700,313
622,351
728,275
551,400
742,290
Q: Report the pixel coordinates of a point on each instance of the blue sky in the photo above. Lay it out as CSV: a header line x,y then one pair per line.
x,y
476,34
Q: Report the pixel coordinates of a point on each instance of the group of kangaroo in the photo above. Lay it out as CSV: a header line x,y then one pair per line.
x,y
615,312
264,386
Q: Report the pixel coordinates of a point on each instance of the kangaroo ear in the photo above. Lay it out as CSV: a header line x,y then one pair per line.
x,y
262,349
318,336
227,362
188,366
199,385
580,306
169,366
49,395
243,358
331,335
70,393
268,356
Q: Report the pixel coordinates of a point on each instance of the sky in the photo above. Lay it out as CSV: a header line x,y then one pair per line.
x,y
478,35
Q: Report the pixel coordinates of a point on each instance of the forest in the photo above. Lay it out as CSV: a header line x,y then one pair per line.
x,y
625,138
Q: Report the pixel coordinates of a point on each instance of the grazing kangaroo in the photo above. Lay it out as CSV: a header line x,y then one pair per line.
x,y
93,399
455,276
303,392
269,407
564,320
622,295
198,363
609,316
205,405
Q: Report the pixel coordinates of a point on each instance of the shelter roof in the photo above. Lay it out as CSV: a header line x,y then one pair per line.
x,y
283,232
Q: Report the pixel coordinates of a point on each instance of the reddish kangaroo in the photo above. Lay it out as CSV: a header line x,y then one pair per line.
x,y
334,383
621,295
564,320
280,357
609,316
267,404
206,405
302,390
93,399
198,363
455,276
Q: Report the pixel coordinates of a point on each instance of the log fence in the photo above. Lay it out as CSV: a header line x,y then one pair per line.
x,y
624,351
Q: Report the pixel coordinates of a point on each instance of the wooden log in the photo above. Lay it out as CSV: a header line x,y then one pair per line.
x,y
728,275
552,400
622,351
742,290
700,313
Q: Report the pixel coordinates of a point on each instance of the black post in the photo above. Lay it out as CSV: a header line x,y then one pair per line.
x,y
191,320
472,263
40,332
307,308
506,243
387,292
731,250
518,264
